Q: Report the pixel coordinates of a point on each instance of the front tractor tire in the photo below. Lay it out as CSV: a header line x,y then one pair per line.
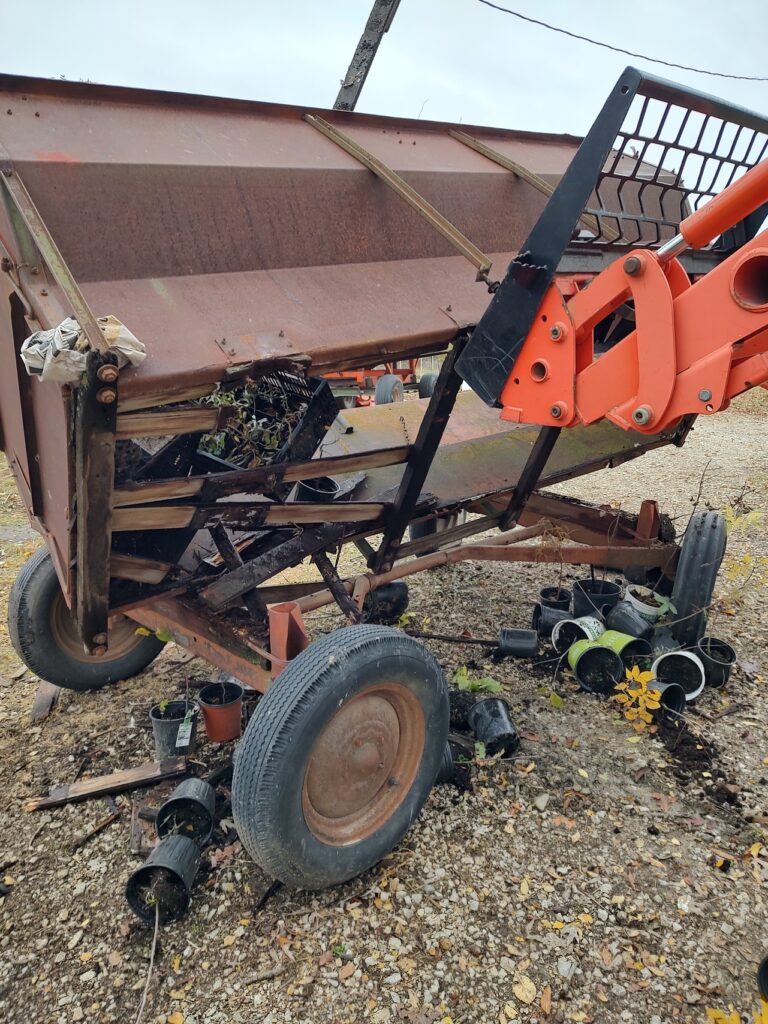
x,y
340,756
44,634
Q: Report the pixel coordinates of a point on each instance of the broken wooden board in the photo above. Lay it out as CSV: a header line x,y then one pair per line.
x,y
46,699
116,782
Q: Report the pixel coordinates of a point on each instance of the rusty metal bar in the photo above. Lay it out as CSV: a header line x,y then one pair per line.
x,y
401,188
531,177
50,252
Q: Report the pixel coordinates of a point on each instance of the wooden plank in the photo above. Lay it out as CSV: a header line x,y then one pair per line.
x,y
94,479
46,698
116,782
255,481
141,570
243,515
228,587
174,421
153,399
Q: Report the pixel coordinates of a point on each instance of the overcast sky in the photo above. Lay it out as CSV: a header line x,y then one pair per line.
x,y
454,59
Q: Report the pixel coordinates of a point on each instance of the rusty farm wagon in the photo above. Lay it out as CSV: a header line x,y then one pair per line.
x,y
615,286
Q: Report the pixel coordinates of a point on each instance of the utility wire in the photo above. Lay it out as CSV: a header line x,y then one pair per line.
x,y
619,49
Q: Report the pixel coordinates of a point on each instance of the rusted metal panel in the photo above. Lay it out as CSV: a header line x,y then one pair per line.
x,y
479,454
196,220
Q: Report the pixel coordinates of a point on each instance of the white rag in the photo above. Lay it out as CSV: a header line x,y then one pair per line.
x,y
59,354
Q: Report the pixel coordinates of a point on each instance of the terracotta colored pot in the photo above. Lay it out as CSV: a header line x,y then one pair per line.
x,y
222,708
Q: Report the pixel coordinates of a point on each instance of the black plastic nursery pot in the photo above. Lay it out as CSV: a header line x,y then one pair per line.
x,y
321,489
555,597
188,811
163,883
569,631
762,978
545,618
718,659
625,618
662,641
672,701
490,722
594,596
166,721
518,643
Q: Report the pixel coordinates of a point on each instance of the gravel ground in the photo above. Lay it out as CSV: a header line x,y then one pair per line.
x,y
597,876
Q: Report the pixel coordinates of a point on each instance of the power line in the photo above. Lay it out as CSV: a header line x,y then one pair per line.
x,y
619,49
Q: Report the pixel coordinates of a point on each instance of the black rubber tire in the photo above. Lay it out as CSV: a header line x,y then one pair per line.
x,y
384,605
34,597
427,384
272,758
701,553
389,389
655,578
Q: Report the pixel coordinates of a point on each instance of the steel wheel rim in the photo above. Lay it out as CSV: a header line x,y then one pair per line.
x,y
363,764
122,635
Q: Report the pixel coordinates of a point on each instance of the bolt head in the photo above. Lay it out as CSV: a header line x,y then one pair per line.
x,y
106,396
556,332
99,639
705,395
633,265
107,373
555,412
642,415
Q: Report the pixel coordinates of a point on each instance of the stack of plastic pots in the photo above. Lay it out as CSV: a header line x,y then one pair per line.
x,y
163,883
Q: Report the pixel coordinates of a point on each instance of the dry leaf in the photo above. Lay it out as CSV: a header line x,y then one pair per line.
x,y
229,940
85,957
347,970
325,958
176,964
175,1018
114,958
524,887
524,989
546,1000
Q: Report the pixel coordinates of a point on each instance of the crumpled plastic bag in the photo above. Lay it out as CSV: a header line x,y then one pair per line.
x,y
59,355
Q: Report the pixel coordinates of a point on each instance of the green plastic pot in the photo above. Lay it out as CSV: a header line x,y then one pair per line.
x,y
629,648
596,667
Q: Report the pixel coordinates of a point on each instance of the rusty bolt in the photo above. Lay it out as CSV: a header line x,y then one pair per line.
x,y
107,373
555,412
99,651
642,415
106,396
43,291
633,266
99,639
556,332
6,265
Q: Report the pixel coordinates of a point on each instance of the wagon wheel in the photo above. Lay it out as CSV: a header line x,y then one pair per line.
x,y
389,389
340,756
44,634
427,384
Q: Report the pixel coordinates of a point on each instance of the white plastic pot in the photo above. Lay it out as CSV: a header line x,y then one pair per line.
x,y
675,667
567,632
645,610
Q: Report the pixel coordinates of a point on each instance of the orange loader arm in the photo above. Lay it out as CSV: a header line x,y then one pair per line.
x,y
696,344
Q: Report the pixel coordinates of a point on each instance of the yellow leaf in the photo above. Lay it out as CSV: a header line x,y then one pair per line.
x,y
584,774
622,698
754,850
9,880
558,924
175,1018
524,887
142,631
586,919
244,921
652,705
524,989
229,940
645,677
85,957
654,694
633,673
720,1017
634,739
646,716
631,714
178,993
176,964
